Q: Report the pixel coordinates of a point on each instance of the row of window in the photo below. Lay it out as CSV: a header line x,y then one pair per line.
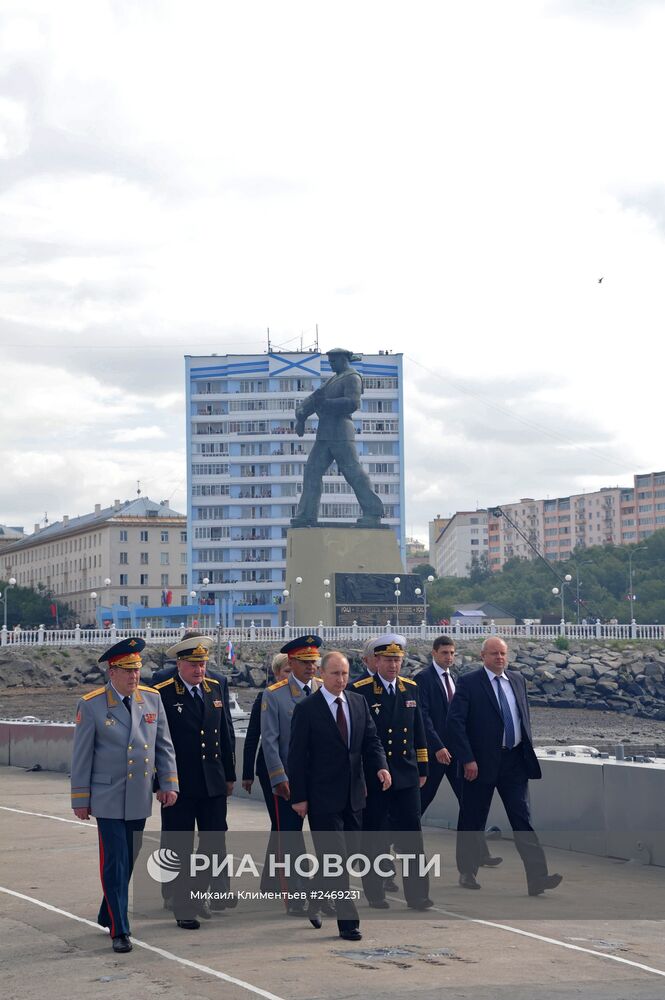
x,y
144,580
145,533
164,558
207,387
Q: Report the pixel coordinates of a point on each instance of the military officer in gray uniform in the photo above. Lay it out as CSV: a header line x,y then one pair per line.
x,y
334,403
121,738
277,705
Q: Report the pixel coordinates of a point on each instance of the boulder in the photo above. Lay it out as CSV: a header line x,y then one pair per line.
x,y
560,659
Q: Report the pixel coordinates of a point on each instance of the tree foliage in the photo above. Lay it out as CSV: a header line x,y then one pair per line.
x,y
31,608
524,588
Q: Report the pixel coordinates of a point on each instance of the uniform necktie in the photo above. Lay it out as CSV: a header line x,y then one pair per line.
x,y
341,721
127,702
306,690
391,690
508,724
448,686
197,695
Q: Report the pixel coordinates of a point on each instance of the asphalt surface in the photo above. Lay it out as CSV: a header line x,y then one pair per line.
x,y
521,948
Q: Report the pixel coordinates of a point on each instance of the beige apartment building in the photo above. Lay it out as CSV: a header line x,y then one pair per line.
x,y
462,542
557,527
133,553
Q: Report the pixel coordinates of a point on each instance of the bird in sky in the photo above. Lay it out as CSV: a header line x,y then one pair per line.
x,y
600,281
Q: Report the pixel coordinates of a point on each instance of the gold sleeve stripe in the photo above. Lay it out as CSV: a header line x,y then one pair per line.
x,y
80,795
280,770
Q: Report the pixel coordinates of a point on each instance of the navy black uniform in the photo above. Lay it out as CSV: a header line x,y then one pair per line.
x,y
205,760
401,730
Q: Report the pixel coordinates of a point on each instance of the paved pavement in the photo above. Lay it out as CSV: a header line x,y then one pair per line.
x,y
515,947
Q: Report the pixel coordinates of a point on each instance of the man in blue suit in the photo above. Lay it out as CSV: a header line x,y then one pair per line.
x,y
489,732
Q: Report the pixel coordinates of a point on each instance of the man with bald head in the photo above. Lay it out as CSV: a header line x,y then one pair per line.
x,y
488,731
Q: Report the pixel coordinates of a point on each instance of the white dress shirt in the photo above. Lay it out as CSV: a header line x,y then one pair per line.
x,y
440,671
386,683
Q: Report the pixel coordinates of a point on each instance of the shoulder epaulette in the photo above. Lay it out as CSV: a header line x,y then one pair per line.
x,y
407,680
93,694
212,680
163,684
365,680
146,687
278,685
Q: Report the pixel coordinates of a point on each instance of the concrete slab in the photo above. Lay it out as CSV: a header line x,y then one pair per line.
x,y
52,863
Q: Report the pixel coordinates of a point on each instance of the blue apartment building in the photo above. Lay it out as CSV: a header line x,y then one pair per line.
x,y
245,467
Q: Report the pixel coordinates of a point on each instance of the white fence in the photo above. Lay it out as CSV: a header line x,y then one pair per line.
x,y
331,634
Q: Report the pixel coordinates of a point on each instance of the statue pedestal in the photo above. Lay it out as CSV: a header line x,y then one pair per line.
x,y
316,554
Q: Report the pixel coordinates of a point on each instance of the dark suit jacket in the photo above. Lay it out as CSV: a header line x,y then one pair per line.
x,y
203,750
434,707
166,672
322,771
252,740
474,727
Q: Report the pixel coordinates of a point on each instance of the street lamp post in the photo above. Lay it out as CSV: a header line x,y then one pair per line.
x,y
418,592
397,582
10,583
107,584
631,595
327,595
578,585
93,598
555,590
197,593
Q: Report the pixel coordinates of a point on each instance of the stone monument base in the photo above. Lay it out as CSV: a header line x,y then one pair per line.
x,y
316,554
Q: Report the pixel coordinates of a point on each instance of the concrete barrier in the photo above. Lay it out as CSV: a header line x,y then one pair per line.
x,y
606,808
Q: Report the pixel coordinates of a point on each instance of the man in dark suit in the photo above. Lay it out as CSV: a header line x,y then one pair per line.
x,y
164,673
393,704
489,732
204,755
334,753
436,685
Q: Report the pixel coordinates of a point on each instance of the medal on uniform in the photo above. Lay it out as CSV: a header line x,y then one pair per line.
x,y
178,706
377,707
109,721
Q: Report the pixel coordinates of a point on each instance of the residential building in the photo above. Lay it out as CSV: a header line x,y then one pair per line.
x,y
436,527
416,554
140,546
648,514
463,541
245,467
9,535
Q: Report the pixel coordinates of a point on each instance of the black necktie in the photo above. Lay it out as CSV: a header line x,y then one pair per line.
x,y
306,691
341,721
197,695
448,686
391,690
127,702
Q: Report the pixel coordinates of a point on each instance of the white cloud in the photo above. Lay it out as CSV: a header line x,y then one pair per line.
x,y
451,183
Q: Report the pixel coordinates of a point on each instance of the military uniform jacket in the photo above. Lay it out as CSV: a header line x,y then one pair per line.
x,y
399,724
202,743
115,755
277,705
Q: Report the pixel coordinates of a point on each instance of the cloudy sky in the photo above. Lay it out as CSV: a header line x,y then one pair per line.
x,y
446,179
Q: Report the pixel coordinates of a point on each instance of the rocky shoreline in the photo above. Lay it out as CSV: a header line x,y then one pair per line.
x,y
625,677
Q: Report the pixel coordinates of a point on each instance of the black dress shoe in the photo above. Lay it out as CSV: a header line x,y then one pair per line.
x,y
203,910
316,922
121,943
490,862
421,904
188,925
378,904
353,935
469,882
390,885
547,882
